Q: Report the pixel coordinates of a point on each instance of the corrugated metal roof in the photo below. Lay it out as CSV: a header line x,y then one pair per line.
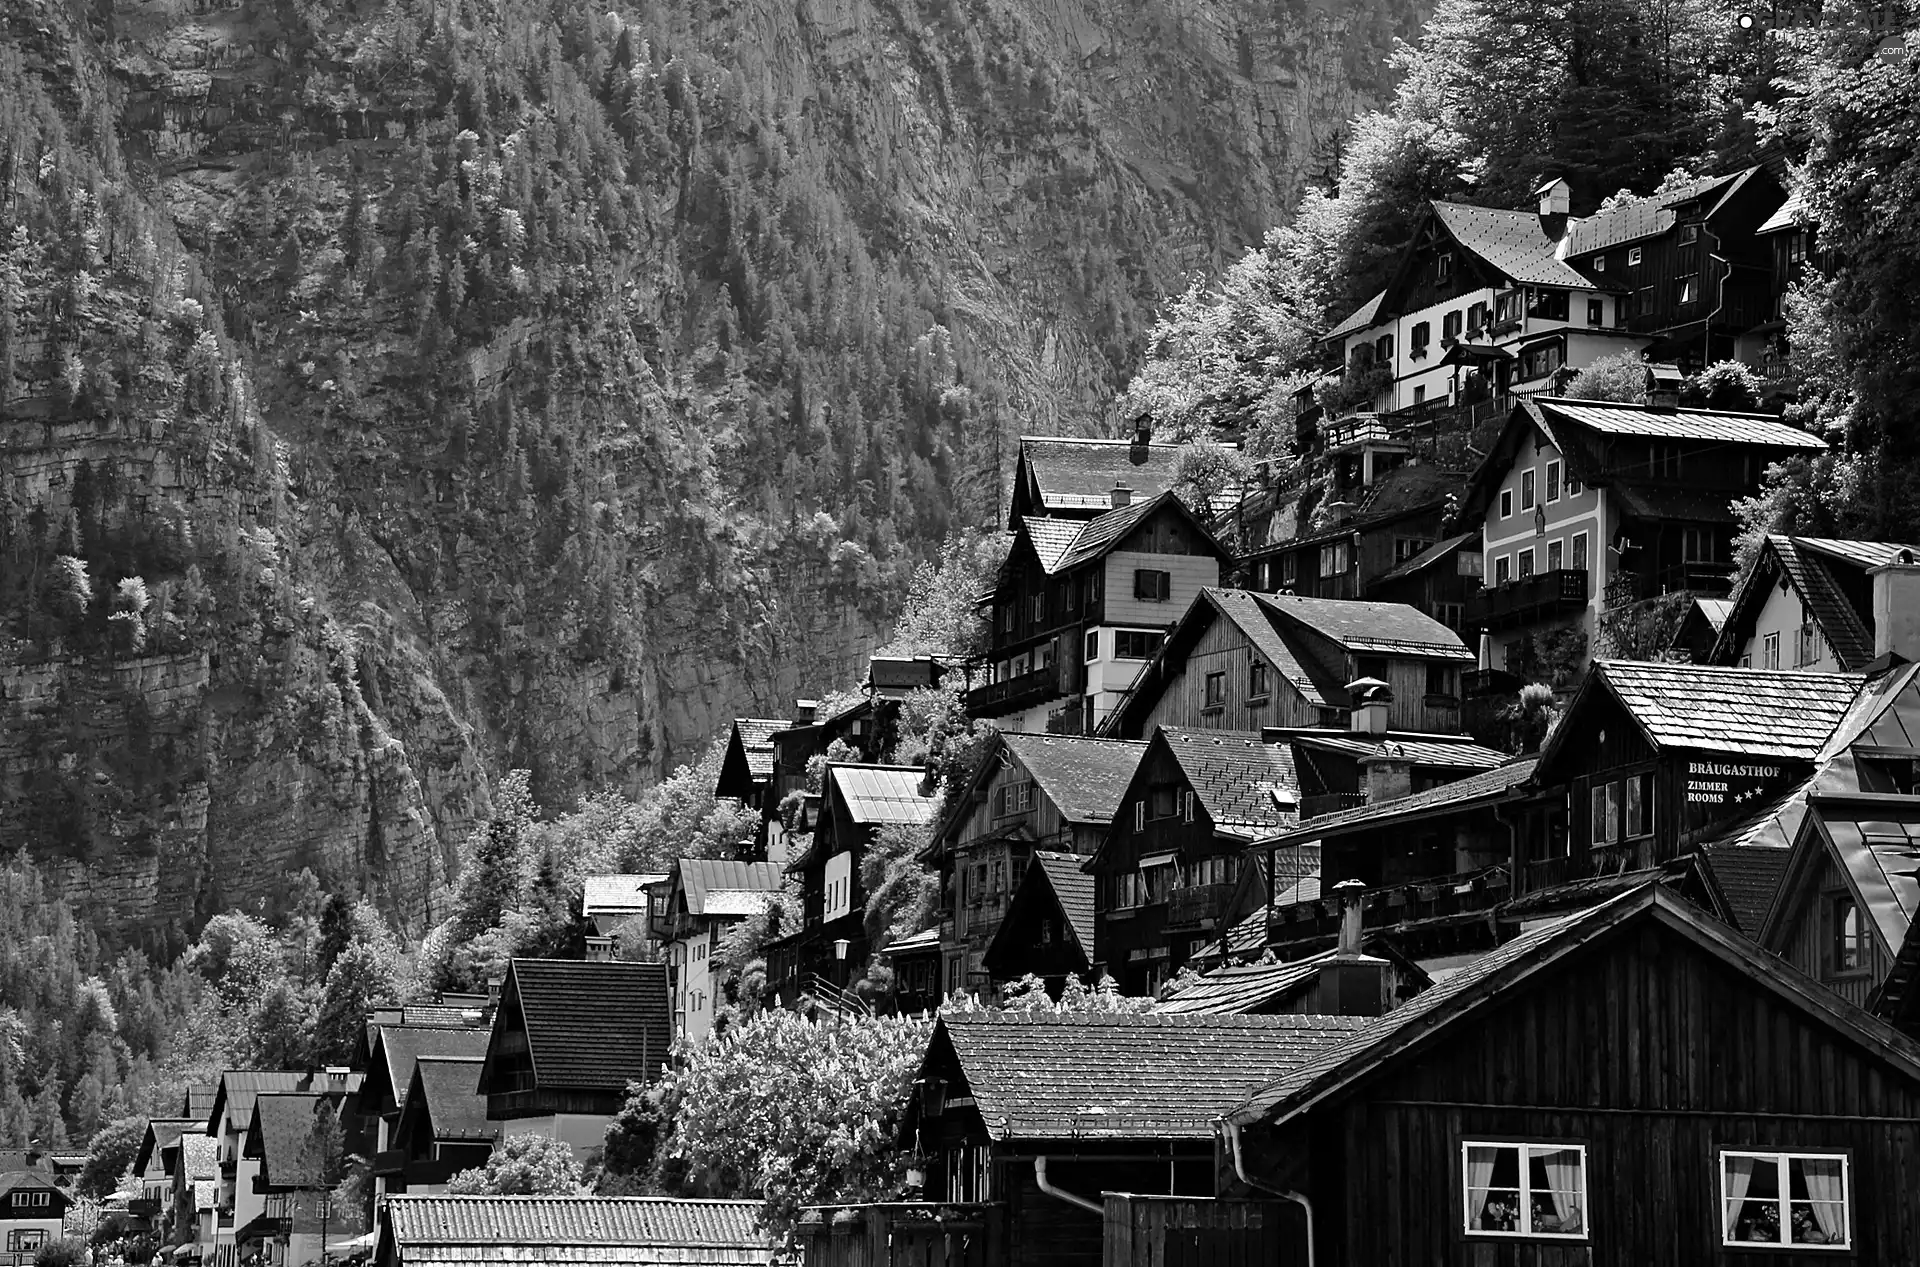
x,y
705,879
1512,243
1752,712
1613,419
533,1227
882,793
614,894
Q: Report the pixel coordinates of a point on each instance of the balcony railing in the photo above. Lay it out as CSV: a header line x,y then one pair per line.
x,y
1440,900
1586,864
1198,905
1694,577
1330,803
1028,690
1528,600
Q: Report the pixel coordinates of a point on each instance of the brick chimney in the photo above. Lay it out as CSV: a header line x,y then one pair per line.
x,y
1122,495
1372,700
1389,773
1896,607
1352,983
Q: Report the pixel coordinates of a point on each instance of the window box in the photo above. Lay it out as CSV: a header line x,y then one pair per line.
x,y
1526,1191
1787,1199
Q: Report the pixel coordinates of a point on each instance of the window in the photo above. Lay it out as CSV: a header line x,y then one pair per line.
x,y
1548,305
1477,318
1770,651
1784,1199
1596,312
1037,608
1526,564
1450,326
1216,689
1663,459
1405,548
1851,950
1687,290
1502,570
1152,585
1257,679
1542,359
1633,257
1556,555
1452,615
1289,568
1797,247
1506,503
1579,551
1442,679
1599,263
1383,349
1553,481
1139,815
1092,586
1334,558
1187,803
1006,616
1136,644
1470,563
1508,307
1422,337
1014,798
23,1239
1163,801
1093,645
1420,393
1808,646
1606,814
1526,490
1443,265
1534,1190
1639,806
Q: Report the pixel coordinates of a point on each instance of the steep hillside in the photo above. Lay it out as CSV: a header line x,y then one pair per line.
x,y
394,394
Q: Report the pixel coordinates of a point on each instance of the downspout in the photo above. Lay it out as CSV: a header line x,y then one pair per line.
x,y
1232,1130
1040,1178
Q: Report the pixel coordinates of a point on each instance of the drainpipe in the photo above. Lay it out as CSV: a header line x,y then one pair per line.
x,y
1240,1169
1040,1177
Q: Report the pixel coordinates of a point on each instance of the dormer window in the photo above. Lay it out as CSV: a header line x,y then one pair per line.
x,y
1633,257
1599,263
1443,265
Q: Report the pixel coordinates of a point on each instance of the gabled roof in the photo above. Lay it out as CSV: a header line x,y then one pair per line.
x,y
754,736
1748,877
1777,713
1246,785
1475,790
723,888
1413,1026
450,1100
1055,880
1614,419
1051,538
35,1180
611,1231
1075,475
1714,611
1634,219
1083,777
162,1134
1359,319
1420,562
1073,889
1371,628
235,1093
1256,621
390,1070
617,894
197,1101
881,793
1878,849
199,1158
589,1026
1793,214
288,1134
1813,566
1512,243
1064,544
1105,1075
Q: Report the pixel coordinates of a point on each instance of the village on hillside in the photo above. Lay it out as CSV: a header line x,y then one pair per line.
x,y
1456,858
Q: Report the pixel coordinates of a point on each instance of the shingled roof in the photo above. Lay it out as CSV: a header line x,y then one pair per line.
x,y
1751,712
390,1072
288,1134
1083,777
162,1134
1075,475
1073,889
1512,243
1363,627
1813,566
1245,784
451,1104
755,735
1748,877
1484,788
1241,988
1359,319
1615,419
235,1093
589,1026
1104,1075
610,1231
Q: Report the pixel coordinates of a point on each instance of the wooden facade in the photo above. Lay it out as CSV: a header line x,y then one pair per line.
x,y
1225,683
1157,1231
1655,1046
1825,933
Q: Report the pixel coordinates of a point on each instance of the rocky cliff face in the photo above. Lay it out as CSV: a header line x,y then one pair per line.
x,y
430,388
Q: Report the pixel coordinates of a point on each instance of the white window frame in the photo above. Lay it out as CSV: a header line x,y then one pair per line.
x,y
1526,1149
1579,557
1770,651
1784,1197
1506,503
1633,257
1553,482
1529,484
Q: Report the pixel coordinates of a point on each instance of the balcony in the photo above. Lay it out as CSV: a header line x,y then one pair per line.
x,y
1697,577
1330,803
1585,865
1447,899
1199,905
1029,690
1482,683
923,1233
1529,600
389,1162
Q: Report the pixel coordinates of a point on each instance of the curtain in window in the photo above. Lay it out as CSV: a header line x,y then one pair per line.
x,y
1565,1187
1479,1178
1826,1185
1739,1177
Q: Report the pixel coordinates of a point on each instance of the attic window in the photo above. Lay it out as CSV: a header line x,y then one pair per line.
x,y
1633,257
1600,263
1852,952
1443,265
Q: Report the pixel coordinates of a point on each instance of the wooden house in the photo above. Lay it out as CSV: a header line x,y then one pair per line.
x,y
1372,528
443,1127
1437,580
1824,605
152,1167
33,1211
829,953
1634,1086
442,1231
613,905
700,899
914,963
868,725
241,1200
1048,931
567,1039
1021,1121
1169,874
1080,605
1791,238
389,1074
1028,792
1073,477
1588,509
1698,631
1242,661
746,770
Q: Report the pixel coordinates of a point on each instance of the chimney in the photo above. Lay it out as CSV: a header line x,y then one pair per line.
x,y
804,711
1122,495
1140,449
336,1077
1389,773
493,994
1372,699
1663,386
1352,983
1556,201
1896,607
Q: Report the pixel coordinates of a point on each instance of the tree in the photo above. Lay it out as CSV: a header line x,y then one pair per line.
x,y
109,1153
1620,377
793,1112
522,1166
1723,385
365,972
940,615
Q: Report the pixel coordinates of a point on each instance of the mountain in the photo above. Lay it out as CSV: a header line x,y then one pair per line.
x,y
393,394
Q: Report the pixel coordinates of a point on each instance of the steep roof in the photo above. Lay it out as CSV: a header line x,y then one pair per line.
x,y
1105,1075
612,894
1258,624
755,737
1714,610
1359,319
611,1231
453,1102
399,1046
1083,777
199,1157
1104,533
1614,419
197,1100
1245,784
1751,712
1476,789
1807,567
1512,243
1879,850
882,793
1073,889
1074,475
1426,558
235,1093
1457,998
1793,214
589,1026
1446,752
162,1134
1359,626
1051,538
1747,876
288,1136
722,887
1633,219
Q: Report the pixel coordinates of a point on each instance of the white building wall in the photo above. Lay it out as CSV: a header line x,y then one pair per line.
x,y
1187,575
1780,619
586,1133
1550,522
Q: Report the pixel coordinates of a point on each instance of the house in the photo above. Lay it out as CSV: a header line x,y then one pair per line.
x,y
1819,603
383,1096
746,770
1589,510
152,1167
1048,931
1079,605
611,903
229,1119
1718,1101
567,1039
1024,1120
300,1149
442,1231
1073,477
33,1211
1028,792
443,1127
1790,236
700,899
914,962
898,676
1169,874
829,953
1242,661
867,724
194,1163
1342,769
1437,581
1698,631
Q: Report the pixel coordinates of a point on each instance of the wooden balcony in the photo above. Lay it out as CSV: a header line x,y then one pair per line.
x,y
1587,864
1695,577
1029,690
1198,906
1529,600
924,1234
1440,900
